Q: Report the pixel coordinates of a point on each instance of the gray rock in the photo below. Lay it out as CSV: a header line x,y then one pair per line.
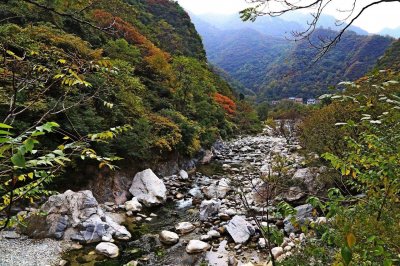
x,y
208,155
277,252
196,193
239,229
73,216
214,234
183,174
218,189
169,238
107,249
133,205
184,227
303,215
208,208
148,188
197,246
262,243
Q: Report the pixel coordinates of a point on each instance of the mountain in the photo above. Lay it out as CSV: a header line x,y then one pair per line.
x,y
394,32
94,65
273,67
324,21
391,58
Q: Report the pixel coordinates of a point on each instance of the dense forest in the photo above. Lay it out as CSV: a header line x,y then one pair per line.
x,y
254,58
136,63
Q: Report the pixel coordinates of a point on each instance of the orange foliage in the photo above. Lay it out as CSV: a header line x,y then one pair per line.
x,y
157,59
225,102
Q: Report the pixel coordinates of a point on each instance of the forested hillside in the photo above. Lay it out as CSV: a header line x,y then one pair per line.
x,y
92,66
275,67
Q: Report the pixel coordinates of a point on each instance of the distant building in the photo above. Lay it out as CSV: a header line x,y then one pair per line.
x,y
299,100
311,101
275,102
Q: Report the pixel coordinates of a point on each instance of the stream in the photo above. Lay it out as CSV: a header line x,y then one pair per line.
x,y
235,170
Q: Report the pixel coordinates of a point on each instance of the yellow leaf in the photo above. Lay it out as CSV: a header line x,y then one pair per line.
x,y
351,240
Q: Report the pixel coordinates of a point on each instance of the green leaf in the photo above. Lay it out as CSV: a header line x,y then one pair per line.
x,y
29,144
5,126
18,160
387,262
3,132
346,255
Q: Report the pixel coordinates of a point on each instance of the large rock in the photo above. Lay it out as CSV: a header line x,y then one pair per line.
x,y
304,214
73,216
239,229
169,238
148,188
218,189
208,208
197,246
107,249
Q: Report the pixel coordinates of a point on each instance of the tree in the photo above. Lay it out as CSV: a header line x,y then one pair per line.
x,y
275,8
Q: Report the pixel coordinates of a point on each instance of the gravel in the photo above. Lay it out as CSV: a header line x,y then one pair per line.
x,y
28,252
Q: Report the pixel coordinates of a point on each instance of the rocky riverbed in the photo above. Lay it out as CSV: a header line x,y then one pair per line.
x,y
216,215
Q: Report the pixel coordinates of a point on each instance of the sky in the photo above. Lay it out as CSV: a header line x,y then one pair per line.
x,y
374,19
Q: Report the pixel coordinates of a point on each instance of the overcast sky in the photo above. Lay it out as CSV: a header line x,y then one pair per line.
x,y
376,18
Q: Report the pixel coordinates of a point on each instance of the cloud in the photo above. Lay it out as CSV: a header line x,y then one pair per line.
x,y
376,18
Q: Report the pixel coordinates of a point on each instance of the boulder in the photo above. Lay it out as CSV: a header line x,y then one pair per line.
x,y
133,205
107,249
197,246
209,208
293,194
303,215
218,189
169,238
208,155
148,188
184,227
239,229
73,216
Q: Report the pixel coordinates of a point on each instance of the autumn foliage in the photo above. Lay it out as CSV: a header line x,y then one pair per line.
x,y
225,102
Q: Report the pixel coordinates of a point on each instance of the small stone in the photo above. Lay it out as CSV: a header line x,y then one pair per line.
x,y
11,235
133,205
205,238
107,249
276,252
183,174
149,219
197,246
179,196
287,248
262,243
214,234
224,216
184,227
153,215
168,237
321,220
63,263
76,246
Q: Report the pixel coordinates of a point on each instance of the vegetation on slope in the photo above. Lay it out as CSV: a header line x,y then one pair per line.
x,y
75,74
